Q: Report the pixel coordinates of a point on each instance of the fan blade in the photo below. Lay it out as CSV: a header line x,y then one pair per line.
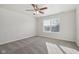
x,y
29,10
33,5
43,8
41,12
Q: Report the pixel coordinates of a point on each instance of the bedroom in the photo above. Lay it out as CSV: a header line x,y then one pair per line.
x,y
24,29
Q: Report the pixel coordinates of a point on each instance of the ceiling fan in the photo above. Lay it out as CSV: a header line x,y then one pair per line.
x,y
36,9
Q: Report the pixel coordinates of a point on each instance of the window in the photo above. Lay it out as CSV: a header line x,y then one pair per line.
x,y
47,25
51,25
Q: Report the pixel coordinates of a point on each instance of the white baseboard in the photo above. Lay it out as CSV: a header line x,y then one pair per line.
x,y
15,40
57,38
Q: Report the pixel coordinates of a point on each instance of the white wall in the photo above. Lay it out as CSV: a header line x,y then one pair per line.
x,y
15,26
67,26
77,23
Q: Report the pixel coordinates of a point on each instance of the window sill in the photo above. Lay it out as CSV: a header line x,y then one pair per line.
x,y
49,32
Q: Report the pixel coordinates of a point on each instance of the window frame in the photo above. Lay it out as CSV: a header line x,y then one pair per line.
x,y
51,25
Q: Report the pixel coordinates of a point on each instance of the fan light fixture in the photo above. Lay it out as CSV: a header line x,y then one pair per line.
x,y
37,9
35,12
